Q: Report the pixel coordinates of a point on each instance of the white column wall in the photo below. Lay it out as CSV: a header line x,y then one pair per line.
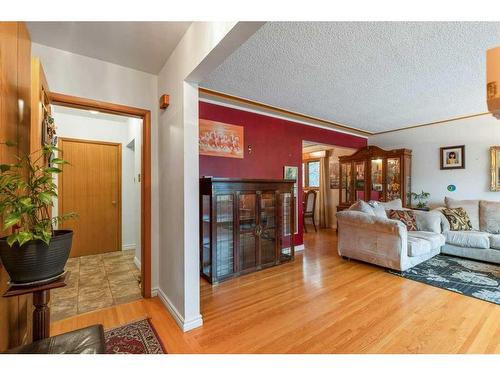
x,y
77,75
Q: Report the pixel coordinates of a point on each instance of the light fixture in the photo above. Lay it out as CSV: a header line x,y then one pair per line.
x,y
493,81
318,154
93,112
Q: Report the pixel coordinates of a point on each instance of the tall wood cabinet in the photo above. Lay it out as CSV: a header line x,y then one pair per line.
x,y
245,225
372,173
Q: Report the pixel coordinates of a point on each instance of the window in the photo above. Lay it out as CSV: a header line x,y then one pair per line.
x,y
311,174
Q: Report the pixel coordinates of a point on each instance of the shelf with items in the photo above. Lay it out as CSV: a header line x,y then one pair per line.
x,y
372,173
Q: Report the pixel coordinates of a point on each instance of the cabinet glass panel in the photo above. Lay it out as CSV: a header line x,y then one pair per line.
x,y
286,230
359,181
345,191
267,227
407,181
224,231
248,220
393,179
377,184
205,235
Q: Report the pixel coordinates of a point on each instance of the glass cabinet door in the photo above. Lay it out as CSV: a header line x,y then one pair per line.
x,y
359,180
407,180
345,183
285,243
393,179
224,235
267,228
377,184
206,255
247,207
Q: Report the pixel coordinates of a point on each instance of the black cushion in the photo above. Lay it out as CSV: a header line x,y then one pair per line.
x,y
89,340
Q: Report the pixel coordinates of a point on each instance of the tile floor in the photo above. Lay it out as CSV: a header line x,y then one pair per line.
x,y
96,282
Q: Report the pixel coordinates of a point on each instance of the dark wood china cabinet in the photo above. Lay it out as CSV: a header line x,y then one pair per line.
x,y
245,225
372,173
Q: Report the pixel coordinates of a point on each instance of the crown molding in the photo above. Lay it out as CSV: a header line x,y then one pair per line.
x,y
311,120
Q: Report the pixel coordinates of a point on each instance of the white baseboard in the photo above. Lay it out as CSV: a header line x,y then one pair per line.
x,y
137,263
154,292
299,247
130,246
179,319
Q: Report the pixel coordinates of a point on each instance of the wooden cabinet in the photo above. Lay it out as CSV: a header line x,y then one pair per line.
x,y
372,173
245,225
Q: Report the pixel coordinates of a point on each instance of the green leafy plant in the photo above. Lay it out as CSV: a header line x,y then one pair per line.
x,y
27,191
421,198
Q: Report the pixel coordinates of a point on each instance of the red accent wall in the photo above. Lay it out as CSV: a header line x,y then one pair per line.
x,y
275,143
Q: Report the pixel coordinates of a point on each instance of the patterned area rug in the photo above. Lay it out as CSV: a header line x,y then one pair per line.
x,y
134,338
468,277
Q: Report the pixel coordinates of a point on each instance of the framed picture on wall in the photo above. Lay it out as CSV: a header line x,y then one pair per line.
x,y
452,157
219,139
292,173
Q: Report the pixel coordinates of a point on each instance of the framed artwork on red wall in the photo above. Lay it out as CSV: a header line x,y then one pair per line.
x,y
220,139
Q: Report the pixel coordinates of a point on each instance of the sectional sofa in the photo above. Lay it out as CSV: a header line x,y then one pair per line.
x,y
483,241
365,233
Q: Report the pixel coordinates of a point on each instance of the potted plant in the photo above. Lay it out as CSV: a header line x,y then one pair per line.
x,y
34,251
421,198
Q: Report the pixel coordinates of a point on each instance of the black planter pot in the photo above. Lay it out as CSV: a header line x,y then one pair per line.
x,y
35,261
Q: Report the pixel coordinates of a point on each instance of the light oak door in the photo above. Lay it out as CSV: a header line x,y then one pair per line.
x,y
91,187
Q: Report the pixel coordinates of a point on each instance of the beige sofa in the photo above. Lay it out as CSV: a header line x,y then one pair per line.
x,y
483,242
365,233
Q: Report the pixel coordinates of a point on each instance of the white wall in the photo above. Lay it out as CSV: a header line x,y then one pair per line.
x,y
79,124
477,134
203,47
77,75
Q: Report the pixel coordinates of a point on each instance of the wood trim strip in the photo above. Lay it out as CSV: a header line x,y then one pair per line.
x,y
84,103
145,115
434,123
282,111
237,99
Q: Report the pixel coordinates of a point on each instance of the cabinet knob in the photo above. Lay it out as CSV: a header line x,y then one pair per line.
x,y
113,203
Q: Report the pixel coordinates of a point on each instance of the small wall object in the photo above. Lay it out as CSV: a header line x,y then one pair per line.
x,y
451,188
452,157
164,101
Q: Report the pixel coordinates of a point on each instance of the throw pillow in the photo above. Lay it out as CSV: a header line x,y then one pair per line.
x,y
458,218
470,206
378,209
489,216
395,204
407,217
362,206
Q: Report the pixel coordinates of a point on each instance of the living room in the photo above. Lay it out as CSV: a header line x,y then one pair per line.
x,y
305,187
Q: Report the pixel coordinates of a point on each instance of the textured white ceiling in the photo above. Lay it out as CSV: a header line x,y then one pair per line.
x,y
143,46
373,76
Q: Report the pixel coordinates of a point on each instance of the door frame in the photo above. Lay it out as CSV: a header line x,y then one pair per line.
x,y
145,115
119,198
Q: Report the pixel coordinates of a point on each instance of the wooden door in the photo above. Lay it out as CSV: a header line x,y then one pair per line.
x,y
91,187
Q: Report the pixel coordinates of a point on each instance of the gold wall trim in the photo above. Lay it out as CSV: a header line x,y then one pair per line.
x,y
434,123
300,116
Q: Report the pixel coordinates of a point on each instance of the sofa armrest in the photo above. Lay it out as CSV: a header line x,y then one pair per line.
x,y
370,222
372,239
445,224
428,221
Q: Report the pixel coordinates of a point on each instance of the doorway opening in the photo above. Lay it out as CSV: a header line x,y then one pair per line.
x,y
107,184
320,185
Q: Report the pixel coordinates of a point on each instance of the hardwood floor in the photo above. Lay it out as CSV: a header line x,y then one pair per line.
x,y
320,303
